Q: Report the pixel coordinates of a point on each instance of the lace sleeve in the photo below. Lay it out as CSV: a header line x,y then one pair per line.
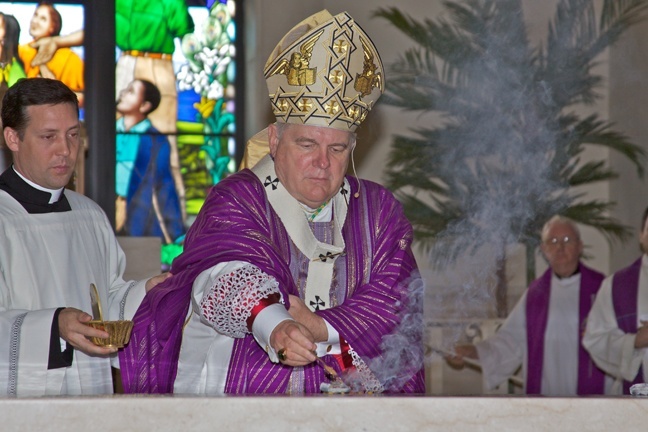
x,y
365,376
227,305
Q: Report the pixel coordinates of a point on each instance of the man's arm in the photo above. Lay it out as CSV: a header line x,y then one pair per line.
x,y
165,190
500,355
611,348
641,338
379,301
47,46
178,19
237,298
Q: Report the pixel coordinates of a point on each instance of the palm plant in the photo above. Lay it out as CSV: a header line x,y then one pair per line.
x,y
507,151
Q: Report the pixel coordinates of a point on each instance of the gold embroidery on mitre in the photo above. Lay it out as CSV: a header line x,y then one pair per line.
x,y
332,107
283,105
323,72
297,69
305,105
369,78
341,46
336,77
354,112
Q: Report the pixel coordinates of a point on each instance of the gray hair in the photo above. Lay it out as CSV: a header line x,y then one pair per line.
x,y
559,219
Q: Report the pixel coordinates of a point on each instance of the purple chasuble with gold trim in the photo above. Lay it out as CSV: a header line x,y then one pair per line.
x,y
591,380
237,223
625,289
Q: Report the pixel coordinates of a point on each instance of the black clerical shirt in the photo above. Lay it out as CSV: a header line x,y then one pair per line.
x,y
32,199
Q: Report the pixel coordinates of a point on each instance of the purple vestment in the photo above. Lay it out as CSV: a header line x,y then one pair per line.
x,y
625,288
237,223
591,380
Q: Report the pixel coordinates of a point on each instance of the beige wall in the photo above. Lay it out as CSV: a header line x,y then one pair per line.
x,y
628,93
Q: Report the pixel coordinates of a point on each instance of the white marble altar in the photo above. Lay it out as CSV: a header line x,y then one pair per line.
x,y
122,413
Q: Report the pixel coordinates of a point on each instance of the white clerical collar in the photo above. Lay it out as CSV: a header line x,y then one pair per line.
x,y
324,215
55,193
567,281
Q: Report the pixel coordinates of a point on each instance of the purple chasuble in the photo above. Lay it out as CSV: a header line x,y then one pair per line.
x,y
591,380
237,223
625,289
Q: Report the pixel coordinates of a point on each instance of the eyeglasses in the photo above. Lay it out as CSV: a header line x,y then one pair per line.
x,y
554,242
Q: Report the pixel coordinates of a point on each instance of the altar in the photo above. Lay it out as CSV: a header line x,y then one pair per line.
x,y
120,413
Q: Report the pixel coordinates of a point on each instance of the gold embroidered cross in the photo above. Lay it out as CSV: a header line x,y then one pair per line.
x,y
336,76
332,107
283,105
340,46
305,105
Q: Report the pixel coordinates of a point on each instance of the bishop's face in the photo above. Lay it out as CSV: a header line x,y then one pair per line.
x,y
310,161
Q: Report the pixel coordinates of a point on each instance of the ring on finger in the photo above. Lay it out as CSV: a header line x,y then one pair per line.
x,y
281,354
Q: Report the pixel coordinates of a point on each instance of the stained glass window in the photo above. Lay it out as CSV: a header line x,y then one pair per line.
x,y
176,113
26,24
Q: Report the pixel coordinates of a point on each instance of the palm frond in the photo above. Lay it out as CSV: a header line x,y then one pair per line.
x,y
592,213
591,172
508,149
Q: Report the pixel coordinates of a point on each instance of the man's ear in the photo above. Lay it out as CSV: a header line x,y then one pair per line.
x,y
11,138
273,139
145,108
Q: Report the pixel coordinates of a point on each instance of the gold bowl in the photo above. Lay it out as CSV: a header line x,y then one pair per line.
x,y
119,332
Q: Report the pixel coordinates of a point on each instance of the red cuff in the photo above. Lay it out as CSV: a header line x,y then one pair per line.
x,y
262,304
344,359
